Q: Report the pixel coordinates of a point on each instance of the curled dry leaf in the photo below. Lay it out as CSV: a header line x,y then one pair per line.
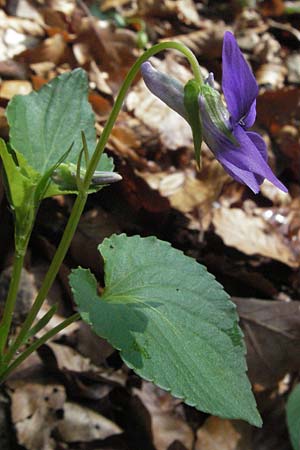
x,y
110,48
189,191
293,67
53,49
81,424
272,333
184,10
10,88
36,410
93,227
223,434
206,42
167,425
271,75
65,358
279,112
24,26
251,234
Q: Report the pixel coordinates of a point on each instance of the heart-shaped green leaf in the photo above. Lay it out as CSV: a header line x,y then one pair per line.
x,y
172,322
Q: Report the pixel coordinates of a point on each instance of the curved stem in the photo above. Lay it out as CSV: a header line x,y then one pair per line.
x,y
123,91
92,166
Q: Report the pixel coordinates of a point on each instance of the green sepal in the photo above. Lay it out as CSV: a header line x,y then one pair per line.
x,y
191,103
217,111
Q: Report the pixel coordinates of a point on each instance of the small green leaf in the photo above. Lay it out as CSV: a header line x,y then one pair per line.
x,y
172,322
293,417
20,184
44,124
191,103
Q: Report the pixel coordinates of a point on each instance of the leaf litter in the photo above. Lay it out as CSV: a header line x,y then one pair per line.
x,y
251,243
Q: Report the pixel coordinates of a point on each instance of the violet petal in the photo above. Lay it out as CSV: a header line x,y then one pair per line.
x,y
238,82
249,119
248,157
261,146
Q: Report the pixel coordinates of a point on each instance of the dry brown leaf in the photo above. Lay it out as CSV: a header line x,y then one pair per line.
x,y
113,50
173,130
53,49
24,26
272,7
166,424
293,67
223,434
206,42
36,410
81,424
94,226
109,4
271,75
67,358
272,333
189,191
251,234
184,10
10,88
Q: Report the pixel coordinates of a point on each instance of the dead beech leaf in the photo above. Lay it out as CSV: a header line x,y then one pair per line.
x,y
93,227
34,409
293,66
278,108
166,424
53,49
111,49
22,25
272,7
271,75
10,88
81,424
109,4
67,358
184,10
223,434
173,130
251,234
272,333
189,190
206,42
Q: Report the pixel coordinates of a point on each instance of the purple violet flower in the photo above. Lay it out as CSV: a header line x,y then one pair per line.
x,y
242,153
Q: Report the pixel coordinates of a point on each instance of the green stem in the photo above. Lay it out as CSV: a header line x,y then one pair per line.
x,y
11,300
92,166
4,374
51,274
